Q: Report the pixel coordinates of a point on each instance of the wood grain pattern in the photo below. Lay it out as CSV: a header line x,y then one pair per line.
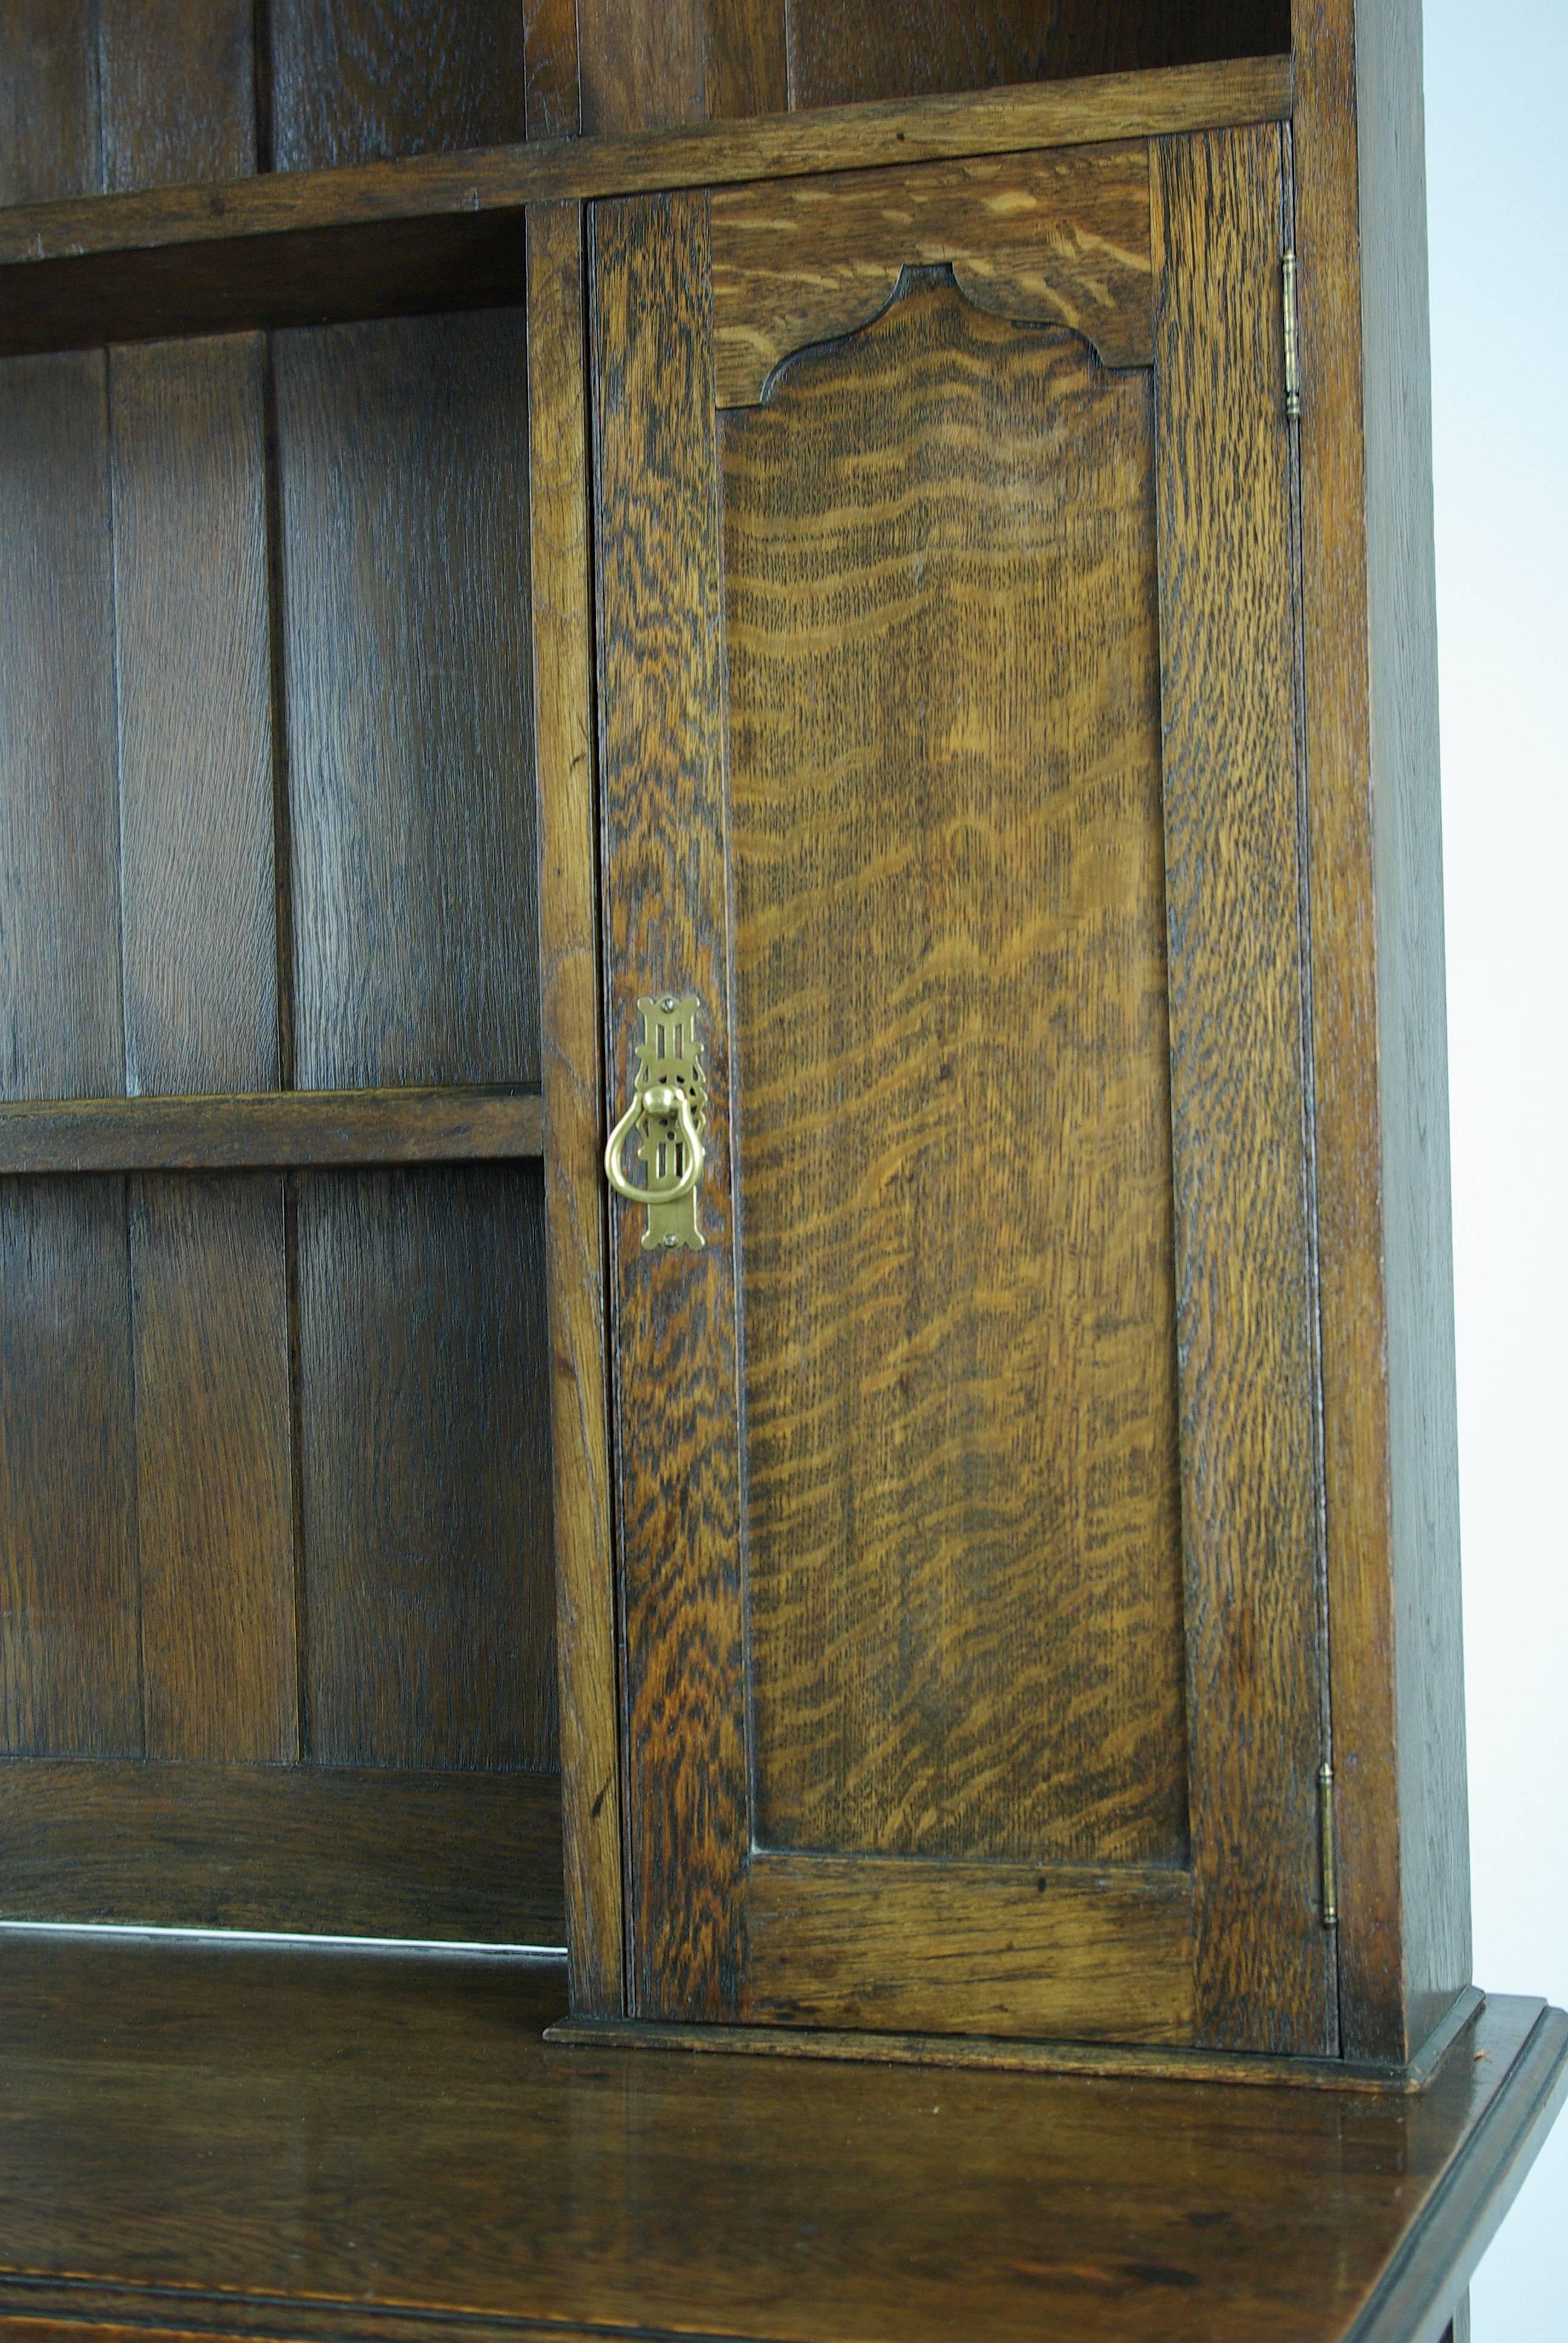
x,y
1018,2054
260,1130
963,1560
201,1009
569,1015
673,1326
1265,1968
49,143
177,90
355,80
995,1948
688,60
582,2194
70,1663
428,1583
317,1850
404,474
809,261
59,832
552,107
215,1497
439,232
844,50
1377,1009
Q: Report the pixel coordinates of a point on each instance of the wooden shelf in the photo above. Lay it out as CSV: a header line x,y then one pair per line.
x,y
443,231
223,2141
270,1130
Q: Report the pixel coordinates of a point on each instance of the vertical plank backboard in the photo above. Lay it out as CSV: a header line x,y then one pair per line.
x,y
573,1073
675,1337
1241,1177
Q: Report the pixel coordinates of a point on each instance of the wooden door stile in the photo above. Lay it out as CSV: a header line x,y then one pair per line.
x,y
572,1052
1242,1178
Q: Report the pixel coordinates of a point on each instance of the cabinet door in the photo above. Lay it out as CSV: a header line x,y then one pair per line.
x,y
973,1662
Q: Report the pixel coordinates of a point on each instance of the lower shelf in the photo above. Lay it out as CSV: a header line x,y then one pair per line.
x,y
332,2145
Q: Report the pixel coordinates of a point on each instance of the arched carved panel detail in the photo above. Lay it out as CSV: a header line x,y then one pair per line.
x,y
1057,238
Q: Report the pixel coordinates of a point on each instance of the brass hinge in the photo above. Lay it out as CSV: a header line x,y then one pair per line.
x,y
1326,1844
1292,336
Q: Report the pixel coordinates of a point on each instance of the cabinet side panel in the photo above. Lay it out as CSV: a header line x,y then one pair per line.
x,y
1242,1229
1412,1051
674,1340
362,81
428,1596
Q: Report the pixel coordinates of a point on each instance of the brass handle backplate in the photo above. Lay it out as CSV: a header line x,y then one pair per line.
x,y
670,1107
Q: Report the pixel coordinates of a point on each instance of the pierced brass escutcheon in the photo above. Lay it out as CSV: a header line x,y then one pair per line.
x,y
669,1107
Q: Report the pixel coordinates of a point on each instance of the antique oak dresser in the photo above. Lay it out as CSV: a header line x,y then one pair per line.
x,y
723,1133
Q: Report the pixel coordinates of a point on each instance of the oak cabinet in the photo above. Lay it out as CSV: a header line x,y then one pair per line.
x,y
904,555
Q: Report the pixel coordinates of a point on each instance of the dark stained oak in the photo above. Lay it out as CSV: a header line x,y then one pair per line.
x,y
320,2144
427,1589
403,449
215,1493
963,1560
552,103
684,61
673,1320
812,259
59,827
460,1122
442,232
70,1676
196,740
177,90
574,1102
49,118
356,81
453,1857
1241,1180
845,50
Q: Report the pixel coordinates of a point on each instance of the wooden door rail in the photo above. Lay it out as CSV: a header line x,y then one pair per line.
x,y
271,1130
443,231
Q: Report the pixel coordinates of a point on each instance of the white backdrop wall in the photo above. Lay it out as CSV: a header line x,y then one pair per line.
x,y
1497,166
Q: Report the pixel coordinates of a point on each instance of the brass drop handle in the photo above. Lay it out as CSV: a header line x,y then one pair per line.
x,y
660,1103
669,1107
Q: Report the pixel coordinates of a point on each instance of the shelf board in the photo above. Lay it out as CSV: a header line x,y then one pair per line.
x,y
444,231
270,1130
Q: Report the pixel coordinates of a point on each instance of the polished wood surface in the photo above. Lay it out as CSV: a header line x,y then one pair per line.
x,y
458,1857
575,1107
440,231
353,81
319,2144
455,1124
945,814
813,259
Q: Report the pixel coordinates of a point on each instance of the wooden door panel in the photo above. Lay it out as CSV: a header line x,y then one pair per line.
x,y
969,1569
954,1131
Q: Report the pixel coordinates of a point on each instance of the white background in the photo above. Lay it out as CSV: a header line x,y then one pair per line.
x,y
1497,166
